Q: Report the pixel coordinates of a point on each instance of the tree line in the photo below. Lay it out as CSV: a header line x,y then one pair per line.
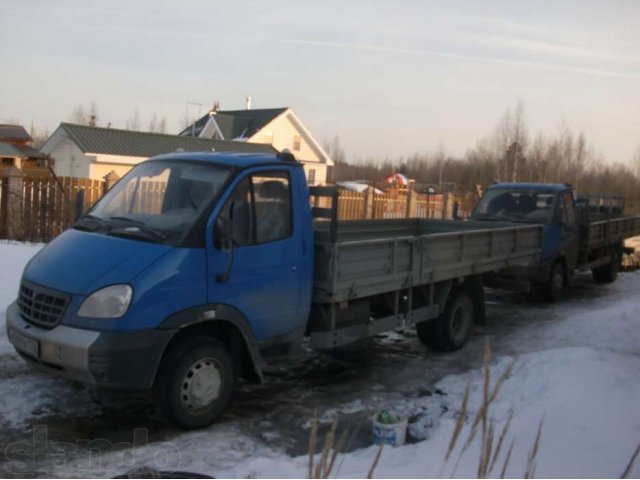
x,y
508,154
90,115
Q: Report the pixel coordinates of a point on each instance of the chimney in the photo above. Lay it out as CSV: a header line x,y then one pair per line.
x,y
249,102
92,121
215,109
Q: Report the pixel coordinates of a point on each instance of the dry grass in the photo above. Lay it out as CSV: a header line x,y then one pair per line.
x,y
326,465
491,451
481,422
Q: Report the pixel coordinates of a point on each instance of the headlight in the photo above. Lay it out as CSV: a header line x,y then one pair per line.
x,y
108,302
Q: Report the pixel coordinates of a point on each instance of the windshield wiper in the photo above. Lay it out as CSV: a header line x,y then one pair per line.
x,y
127,219
99,222
141,230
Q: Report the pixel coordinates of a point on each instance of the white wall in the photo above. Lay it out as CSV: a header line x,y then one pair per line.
x,y
70,161
281,131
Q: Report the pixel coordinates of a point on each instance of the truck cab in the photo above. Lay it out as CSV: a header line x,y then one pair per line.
x,y
183,248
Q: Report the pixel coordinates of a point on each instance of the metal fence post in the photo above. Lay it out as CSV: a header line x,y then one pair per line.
x,y
78,206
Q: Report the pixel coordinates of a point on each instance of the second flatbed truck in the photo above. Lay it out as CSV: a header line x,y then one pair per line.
x,y
579,234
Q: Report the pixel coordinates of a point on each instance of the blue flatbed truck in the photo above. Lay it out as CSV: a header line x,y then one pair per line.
x,y
195,268
579,233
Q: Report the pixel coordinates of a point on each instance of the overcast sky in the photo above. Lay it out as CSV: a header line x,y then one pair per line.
x,y
389,77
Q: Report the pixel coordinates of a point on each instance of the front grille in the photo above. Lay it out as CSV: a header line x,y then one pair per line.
x,y
40,305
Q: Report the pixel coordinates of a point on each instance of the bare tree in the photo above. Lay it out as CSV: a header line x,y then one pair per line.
x,y
334,150
93,114
636,162
162,125
520,138
85,115
79,116
134,122
153,123
39,137
581,158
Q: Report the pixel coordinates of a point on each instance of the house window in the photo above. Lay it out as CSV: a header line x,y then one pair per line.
x,y
268,138
8,162
296,143
312,176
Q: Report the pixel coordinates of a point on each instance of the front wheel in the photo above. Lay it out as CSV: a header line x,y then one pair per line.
x,y
197,382
451,330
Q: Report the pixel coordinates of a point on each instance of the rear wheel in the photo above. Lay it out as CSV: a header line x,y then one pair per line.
x,y
451,330
552,290
197,382
609,272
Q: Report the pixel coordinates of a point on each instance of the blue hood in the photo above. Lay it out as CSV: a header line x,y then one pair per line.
x,y
81,262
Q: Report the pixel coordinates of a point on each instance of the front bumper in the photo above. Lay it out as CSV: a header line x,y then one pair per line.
x,y
127,360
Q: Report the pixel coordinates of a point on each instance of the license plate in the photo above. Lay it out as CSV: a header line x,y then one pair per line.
x,y
25,344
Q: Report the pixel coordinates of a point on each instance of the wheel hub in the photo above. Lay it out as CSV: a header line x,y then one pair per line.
x,y
202,384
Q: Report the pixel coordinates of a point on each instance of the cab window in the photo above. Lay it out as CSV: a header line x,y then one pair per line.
x,y
258,210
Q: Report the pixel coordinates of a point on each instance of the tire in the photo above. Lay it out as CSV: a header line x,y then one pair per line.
x,y
451,330
197,381
608,273
553,288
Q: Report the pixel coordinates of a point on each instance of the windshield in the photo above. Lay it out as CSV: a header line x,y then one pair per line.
x,y
515,206
157,201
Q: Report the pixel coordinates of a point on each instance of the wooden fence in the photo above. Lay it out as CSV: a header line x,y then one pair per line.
x,y
36,209
358,206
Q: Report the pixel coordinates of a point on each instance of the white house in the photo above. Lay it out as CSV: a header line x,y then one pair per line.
x,y
93,152
279,127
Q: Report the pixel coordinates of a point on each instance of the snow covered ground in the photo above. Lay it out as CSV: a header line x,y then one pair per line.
x,y
576,367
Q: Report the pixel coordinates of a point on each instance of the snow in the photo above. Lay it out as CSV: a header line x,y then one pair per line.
x,y
577,370
13,257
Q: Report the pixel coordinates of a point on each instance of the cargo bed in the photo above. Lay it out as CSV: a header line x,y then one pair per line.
x,y
370,257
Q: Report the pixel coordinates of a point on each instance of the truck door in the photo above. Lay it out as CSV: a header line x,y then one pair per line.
x,y
260,275
569,234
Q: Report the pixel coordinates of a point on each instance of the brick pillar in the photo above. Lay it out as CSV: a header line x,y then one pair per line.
x,y
110,180
13,212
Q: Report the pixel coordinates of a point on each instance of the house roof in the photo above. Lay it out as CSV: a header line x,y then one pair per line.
x,y
13,133
21,151
236,123
112,141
